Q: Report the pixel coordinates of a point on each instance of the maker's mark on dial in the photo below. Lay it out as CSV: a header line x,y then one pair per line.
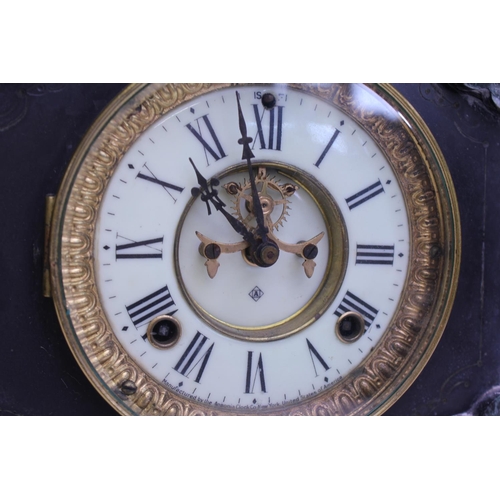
x,y
256,293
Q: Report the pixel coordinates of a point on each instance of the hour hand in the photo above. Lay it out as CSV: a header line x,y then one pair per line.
x,y
208,193
210,196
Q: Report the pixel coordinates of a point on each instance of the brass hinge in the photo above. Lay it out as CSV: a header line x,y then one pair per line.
x,y
50,201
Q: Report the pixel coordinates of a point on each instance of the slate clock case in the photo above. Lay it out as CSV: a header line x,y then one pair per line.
x,y
40,127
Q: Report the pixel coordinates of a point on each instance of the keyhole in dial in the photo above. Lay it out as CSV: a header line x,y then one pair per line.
x,y
350,326
164,331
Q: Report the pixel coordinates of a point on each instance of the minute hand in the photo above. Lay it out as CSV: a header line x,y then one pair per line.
x,y
248,155
210,196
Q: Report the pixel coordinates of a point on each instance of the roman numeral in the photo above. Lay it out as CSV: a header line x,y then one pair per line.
x,y
375,254
352,303
158,302
251,378
198,134
129,250
315,354
194,356
275,127
364,195
154,180
167,186
328,146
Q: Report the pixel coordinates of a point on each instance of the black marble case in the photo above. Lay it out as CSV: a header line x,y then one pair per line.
x,y
40,128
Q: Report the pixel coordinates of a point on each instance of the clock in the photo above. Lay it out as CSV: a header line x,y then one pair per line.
x,y
255,249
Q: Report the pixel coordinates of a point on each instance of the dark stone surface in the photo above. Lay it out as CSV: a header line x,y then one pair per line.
x,y
466,361
40,128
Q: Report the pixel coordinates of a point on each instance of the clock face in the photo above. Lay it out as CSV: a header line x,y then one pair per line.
x,y
255,249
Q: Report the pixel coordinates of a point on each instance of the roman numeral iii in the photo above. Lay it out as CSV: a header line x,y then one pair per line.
x,y
194,356
375,254
152,305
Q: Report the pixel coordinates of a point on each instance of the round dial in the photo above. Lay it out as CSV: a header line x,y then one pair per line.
x,y
255,249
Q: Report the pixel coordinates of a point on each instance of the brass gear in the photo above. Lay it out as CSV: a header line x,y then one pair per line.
x,y
272,194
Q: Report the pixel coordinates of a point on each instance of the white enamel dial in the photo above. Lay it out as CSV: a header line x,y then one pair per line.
x,y
279,291
147,259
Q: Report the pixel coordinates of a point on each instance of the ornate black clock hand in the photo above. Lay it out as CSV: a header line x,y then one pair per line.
x,y
248,155
210,195
266,253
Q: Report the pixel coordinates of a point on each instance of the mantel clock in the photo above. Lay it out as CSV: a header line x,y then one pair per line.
x,y
255,249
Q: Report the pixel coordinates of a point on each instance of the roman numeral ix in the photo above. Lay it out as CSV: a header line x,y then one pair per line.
x,y
275,127
194,356
152,305
352,303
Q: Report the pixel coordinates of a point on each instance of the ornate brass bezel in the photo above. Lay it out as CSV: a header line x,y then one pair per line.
x,y
403,350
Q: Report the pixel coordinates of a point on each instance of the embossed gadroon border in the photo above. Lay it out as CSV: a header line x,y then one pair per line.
x,y
424,306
